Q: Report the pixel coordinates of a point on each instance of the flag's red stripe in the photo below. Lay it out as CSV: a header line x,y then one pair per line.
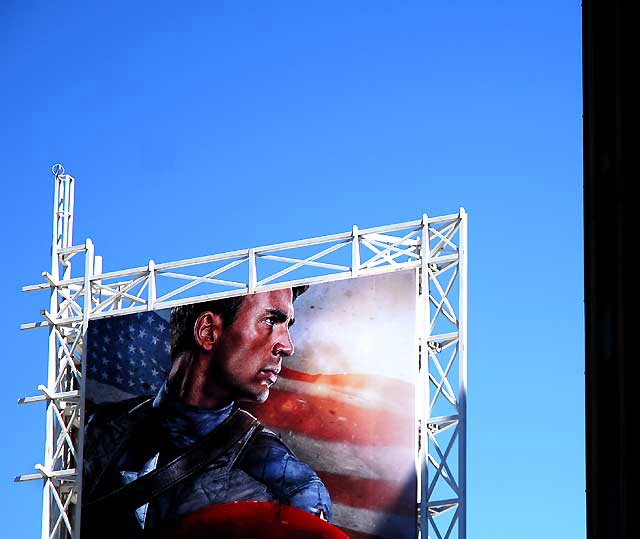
x,y
352,380
332,419
374,494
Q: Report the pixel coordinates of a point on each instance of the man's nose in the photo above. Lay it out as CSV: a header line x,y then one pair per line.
x,y
284,345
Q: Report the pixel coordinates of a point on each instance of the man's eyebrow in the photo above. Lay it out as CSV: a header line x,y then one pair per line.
x,y
280,315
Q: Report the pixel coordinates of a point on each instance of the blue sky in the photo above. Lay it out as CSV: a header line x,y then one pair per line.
x,y
202,127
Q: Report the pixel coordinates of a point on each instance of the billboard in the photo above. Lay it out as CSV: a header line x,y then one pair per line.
x,y
283,410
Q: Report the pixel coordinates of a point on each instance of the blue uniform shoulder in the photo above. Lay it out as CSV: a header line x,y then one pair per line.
x,y
270,461
268,438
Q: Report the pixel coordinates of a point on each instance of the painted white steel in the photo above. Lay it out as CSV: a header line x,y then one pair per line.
x,y
423,418
462,374
436,247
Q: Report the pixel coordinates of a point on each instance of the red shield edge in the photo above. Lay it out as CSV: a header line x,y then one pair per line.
x,y
255,520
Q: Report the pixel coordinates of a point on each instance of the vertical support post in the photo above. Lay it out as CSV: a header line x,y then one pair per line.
x,y
118,303
65,215
424,319
253,273
462,375
90,265
57,458
355,252
152,286
97,270
69,230
88,290
56,243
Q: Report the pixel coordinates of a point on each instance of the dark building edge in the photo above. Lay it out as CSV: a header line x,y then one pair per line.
x,y
608,248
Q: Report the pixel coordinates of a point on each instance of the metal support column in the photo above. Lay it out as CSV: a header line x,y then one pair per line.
x,y
61,394
443,350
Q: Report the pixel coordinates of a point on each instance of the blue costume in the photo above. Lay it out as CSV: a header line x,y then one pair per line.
x,y
126,441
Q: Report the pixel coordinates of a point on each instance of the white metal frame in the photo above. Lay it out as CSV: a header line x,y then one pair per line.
x,y
435,246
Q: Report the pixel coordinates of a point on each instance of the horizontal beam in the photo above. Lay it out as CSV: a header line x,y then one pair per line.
x,y
65,395
437,420
72,250
440,507
67,475
241,253
450,501
220,295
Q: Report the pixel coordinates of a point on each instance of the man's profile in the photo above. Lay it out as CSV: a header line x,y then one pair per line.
x,y
153,459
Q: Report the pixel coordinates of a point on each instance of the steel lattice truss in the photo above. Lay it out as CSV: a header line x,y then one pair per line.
x,y
434,246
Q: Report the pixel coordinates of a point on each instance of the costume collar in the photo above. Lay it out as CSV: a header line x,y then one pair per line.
x,y
186,424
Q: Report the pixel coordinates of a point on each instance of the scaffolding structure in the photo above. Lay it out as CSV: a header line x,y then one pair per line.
x,y
435,247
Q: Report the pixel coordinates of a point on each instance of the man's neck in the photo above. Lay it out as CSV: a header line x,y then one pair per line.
x,y
188,382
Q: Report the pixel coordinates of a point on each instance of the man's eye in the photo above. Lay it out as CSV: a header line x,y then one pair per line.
x,y
271,320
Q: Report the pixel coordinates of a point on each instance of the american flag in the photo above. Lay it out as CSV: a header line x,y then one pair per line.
x,y
127,356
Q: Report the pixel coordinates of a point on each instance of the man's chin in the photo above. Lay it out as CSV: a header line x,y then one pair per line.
x,y
258,398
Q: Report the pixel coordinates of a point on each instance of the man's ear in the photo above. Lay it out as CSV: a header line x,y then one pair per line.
x,y
207,330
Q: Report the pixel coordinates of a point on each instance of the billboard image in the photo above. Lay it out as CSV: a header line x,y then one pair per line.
x,y
256,416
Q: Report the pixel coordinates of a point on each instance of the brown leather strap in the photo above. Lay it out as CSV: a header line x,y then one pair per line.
x,y
238,428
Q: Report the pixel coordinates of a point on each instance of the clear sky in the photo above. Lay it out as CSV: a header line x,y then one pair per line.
x,y
200,127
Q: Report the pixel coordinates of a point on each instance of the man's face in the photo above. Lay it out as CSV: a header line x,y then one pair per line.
x,y
248,356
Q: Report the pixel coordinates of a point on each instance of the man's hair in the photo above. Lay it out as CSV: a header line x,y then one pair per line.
x,y
183,318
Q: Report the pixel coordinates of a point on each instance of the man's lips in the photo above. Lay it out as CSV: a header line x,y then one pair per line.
x,y
270,374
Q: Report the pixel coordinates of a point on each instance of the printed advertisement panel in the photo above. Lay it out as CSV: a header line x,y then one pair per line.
x,y
288,413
